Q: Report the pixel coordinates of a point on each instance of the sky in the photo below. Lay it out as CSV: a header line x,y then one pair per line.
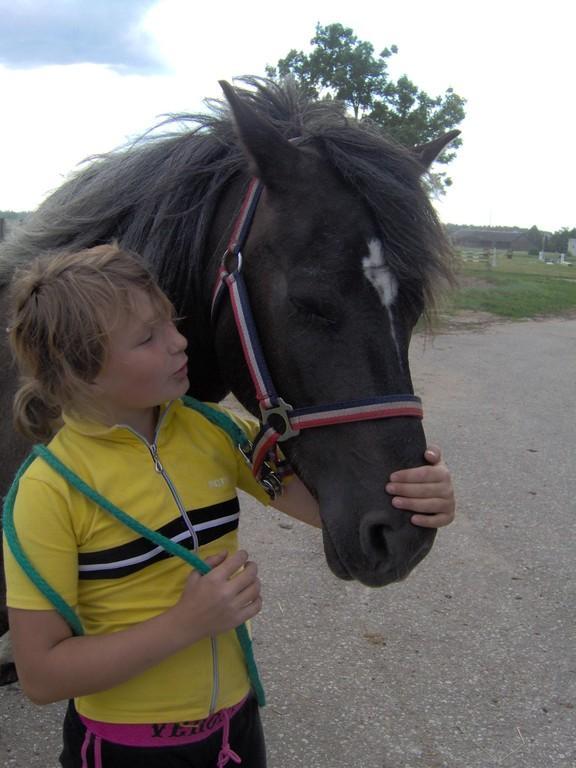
x,y
79,77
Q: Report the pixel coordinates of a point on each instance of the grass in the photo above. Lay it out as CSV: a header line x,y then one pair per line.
x,y
521,287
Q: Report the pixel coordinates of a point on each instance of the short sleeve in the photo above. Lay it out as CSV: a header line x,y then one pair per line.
x,y
42,521
245,480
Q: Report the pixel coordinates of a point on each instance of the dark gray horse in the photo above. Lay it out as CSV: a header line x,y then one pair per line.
x,y
343,256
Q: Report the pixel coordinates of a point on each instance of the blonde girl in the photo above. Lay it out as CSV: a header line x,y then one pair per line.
x,y
158,678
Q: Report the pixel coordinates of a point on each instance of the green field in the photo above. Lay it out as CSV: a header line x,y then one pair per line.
x,y
520,287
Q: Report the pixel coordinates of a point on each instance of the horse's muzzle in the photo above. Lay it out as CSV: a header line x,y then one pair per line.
x,y
392,547
387,551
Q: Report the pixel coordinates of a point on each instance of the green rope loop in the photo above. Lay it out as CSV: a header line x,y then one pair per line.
x,y
172,547
63,608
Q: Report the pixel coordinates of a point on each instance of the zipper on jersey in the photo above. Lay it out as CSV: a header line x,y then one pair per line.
x,y
153,448
215,675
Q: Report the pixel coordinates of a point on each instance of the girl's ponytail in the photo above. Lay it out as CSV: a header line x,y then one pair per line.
x,y
35,416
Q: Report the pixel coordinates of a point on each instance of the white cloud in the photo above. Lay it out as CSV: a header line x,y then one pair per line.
x,y
512,61
36,33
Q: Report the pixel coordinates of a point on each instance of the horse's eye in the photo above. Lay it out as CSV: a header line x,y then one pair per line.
x,y
315,310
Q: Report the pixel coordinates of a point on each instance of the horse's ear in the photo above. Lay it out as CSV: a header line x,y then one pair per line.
x,y
272,158
427,153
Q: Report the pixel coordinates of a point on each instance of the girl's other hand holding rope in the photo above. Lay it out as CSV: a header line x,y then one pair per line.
x,y
220,600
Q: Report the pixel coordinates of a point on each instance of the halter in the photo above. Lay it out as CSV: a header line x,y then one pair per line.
x,y
280,421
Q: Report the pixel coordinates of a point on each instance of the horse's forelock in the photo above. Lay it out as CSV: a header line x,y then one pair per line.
x,y
387,177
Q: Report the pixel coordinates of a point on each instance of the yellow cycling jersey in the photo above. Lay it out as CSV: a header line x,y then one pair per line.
x,y
184,486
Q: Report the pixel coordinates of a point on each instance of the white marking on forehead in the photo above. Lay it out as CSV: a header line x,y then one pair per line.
x,y
379,275
384,282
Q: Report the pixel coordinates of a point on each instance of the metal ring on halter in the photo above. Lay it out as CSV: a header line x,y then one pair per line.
x,y
279,419
238,256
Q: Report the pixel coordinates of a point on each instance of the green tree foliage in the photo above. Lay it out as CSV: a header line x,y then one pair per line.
x,y
550,242
558,241
535,239
344,68
340,64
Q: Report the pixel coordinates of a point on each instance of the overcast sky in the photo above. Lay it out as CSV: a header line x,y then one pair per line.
x,y
78,77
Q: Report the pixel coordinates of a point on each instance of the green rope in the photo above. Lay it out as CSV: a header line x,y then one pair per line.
x,y
217,418
65,610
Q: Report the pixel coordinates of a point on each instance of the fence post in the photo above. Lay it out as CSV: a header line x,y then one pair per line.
x,y
2,229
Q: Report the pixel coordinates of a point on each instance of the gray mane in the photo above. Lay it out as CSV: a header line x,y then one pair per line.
x,y
159,195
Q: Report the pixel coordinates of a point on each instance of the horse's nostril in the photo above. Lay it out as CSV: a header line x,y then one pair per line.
x,y
376,539
374,533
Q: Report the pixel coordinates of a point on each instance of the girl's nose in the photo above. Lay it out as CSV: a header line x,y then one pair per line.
x,y
177,341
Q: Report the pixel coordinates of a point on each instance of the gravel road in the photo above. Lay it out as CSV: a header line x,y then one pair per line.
x,y
470,663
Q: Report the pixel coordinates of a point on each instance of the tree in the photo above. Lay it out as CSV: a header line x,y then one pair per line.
x,y
535,240
344,68
558,241
341,64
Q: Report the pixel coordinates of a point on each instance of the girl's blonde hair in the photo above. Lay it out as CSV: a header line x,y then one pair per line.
x,y
62,310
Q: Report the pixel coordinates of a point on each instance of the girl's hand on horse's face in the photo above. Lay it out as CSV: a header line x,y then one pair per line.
x,y
220,600
425,490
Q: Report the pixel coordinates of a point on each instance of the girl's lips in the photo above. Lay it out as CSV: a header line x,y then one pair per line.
x,y
182,370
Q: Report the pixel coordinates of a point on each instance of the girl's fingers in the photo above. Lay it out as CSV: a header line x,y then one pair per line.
x,y
250,610
423,506
431,521
433,454
215,560
230,565
436,473
244,578
420,490
249,595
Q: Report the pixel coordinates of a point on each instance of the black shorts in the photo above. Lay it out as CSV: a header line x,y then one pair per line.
x,y
246,739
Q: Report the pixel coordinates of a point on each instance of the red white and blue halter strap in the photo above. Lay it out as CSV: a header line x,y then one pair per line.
x,y
280,421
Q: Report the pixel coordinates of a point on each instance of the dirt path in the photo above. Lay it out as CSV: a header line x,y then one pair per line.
x,y
471,662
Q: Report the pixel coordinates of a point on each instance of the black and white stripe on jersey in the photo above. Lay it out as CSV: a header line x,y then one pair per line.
x,y
209,523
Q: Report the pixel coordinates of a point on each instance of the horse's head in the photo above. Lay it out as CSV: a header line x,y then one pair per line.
x,y
339,265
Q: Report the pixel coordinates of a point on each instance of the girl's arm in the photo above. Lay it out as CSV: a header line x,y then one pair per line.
x,y
297,501
53,665
425,490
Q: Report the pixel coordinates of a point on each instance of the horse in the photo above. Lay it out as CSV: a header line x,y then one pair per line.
x,y
341,254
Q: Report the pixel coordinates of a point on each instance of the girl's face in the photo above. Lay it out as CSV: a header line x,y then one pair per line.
x,y
146,364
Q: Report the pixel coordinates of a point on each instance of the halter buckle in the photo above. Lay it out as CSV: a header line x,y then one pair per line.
x,y
268,478
271,482
279,419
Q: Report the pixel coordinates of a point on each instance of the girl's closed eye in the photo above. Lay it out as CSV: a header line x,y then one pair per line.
x,y
146,338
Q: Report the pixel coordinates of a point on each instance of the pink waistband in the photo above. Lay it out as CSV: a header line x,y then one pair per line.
x,y
161,734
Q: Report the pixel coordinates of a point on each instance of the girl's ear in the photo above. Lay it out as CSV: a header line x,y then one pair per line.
x,y
271,157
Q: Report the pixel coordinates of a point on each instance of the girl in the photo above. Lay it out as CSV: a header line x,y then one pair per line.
x,y
159,678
